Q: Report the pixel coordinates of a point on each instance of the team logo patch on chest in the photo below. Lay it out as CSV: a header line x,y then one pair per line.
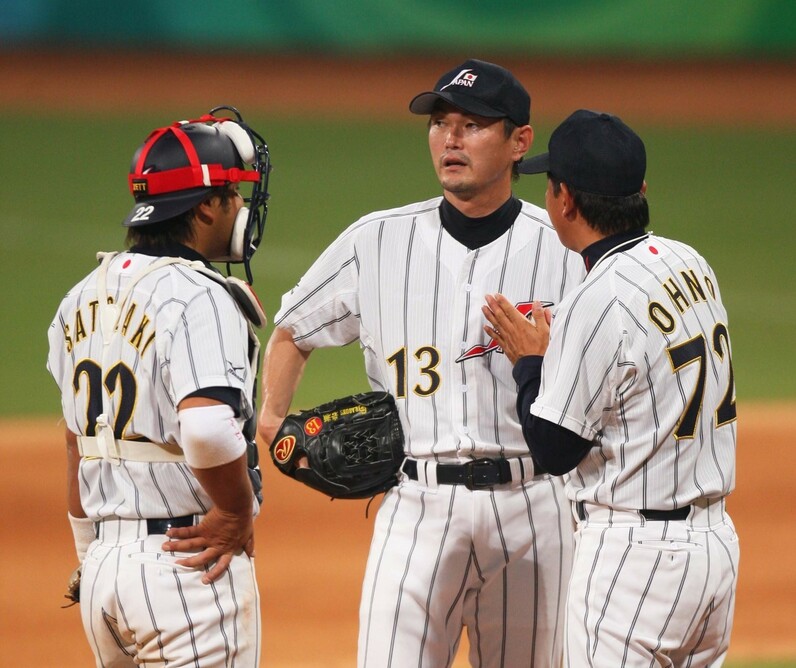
x,y
492,346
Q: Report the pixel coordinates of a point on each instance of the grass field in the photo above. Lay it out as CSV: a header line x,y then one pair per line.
x,y
63,194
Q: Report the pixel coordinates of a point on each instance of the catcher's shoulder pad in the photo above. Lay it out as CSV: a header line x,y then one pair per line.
x,y
353,445
240,291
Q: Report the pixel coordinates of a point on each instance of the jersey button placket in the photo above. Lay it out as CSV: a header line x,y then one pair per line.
x,y
460,373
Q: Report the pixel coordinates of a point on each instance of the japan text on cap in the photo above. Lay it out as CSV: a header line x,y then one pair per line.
x,y
595,153
480,88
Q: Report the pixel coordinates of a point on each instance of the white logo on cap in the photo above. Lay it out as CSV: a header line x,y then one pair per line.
x,y
463,78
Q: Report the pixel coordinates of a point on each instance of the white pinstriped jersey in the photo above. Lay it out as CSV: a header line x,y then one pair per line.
x,y
639,359
412,296
179,331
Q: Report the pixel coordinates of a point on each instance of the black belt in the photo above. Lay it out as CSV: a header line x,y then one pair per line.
x,y
476,474
161,526
651,515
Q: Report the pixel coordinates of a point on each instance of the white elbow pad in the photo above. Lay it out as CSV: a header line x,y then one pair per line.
x,y
210,436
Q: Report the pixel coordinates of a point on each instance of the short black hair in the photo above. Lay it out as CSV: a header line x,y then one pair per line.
x,y
509,127
605,213
176,230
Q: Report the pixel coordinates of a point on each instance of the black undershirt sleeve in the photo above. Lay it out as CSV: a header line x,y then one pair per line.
x,y
226,395
554,448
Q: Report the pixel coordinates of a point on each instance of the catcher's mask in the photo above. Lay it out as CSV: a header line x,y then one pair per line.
x,y
176,167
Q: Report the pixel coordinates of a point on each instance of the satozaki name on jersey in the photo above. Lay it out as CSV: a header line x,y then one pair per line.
x,y
84,323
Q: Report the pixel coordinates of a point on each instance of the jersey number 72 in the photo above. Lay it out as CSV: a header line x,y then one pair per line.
x,y
695,350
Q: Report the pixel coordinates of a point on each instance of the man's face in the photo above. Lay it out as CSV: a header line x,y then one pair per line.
x,y
471,154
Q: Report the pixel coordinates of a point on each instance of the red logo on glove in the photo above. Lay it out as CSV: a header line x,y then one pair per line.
x,y
284,448
313,426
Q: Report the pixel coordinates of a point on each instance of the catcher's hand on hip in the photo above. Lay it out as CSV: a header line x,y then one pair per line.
x,y
349,448
220,536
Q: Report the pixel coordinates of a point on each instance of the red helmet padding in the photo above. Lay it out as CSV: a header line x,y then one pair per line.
x,y
184,178
150,141
196,175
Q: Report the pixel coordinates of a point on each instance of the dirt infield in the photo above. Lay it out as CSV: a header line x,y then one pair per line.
x,y
311,554
726,92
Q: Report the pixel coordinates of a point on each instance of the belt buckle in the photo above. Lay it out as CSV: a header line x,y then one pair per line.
x,y
469,476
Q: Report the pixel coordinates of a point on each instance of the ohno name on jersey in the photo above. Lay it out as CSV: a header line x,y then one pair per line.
x,y
682,296
84,323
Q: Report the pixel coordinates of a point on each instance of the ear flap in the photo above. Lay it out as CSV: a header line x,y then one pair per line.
x,y
239,137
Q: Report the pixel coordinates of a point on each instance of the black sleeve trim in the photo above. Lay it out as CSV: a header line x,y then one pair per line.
x,y
554,448
226,395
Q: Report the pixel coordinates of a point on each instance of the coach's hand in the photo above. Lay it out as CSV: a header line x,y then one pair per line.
x,y
517,335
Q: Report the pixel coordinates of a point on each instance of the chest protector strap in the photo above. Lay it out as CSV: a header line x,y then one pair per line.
x,y
104,444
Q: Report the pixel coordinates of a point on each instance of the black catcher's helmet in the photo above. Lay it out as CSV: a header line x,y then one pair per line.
x,y
176,167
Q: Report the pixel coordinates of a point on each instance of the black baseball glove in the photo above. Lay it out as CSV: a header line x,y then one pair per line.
x,y
354,446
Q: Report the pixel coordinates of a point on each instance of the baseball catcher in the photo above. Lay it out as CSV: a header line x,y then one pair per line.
x,y
353,446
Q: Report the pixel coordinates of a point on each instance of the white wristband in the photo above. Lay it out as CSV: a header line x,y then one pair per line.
x,y
210,436
84,533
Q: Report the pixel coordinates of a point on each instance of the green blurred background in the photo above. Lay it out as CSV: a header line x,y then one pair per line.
x,y
634,28
63,195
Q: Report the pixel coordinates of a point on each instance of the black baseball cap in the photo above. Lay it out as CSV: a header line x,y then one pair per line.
x,y
595,153
175,169
481,88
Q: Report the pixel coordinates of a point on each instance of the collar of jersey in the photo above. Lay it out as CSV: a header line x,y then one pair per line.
x,y
477,232
172,250
610,245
